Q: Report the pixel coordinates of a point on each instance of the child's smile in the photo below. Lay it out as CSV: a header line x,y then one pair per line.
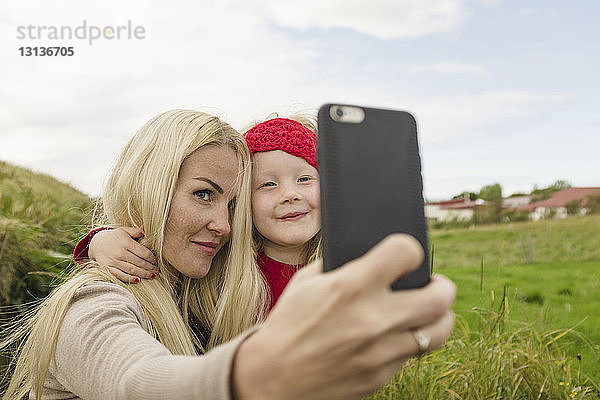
x,y
293,216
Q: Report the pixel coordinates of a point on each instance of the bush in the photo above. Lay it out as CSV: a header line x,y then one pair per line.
x,y
515,216
535,297
573,207
593,203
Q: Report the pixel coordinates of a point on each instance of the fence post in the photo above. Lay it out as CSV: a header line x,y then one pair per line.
x,y
531,256
523,260
481,277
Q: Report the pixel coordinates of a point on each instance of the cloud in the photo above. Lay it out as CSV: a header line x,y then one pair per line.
x,y
448,67
385,19
243,60
218,58
474,114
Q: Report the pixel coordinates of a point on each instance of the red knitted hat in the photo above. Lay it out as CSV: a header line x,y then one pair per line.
x,y
284,134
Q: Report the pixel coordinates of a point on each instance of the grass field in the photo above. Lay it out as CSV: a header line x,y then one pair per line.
x,y
528,315
558,290
568,240
552,296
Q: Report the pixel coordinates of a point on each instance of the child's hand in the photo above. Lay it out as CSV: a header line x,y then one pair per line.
x,y
125,258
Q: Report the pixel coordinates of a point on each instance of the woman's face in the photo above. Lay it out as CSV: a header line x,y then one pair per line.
x,y
198,224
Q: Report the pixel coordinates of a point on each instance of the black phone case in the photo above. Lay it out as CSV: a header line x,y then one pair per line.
x,y
371,186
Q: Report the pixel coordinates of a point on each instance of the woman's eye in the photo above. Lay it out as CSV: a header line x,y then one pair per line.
x,y
205,195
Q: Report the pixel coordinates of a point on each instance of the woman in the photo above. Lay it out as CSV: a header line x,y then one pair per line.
x,y
184,176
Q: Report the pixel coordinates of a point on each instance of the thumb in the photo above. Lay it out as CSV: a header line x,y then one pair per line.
x,y
309,271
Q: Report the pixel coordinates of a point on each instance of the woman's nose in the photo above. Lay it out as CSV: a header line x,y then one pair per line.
x,y
219,223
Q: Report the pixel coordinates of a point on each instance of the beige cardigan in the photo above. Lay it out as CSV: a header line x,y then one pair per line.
x,y
103,352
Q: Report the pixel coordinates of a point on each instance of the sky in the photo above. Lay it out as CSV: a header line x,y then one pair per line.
x,y
503,91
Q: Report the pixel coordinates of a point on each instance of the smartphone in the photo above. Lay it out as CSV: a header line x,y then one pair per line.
x,y
371,184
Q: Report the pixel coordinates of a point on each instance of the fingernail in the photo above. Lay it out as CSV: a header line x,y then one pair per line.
x,y
153,275
136,280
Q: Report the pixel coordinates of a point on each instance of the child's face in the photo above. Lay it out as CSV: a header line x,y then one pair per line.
x,y
285,199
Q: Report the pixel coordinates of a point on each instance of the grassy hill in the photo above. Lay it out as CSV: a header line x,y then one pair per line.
x,y
40,222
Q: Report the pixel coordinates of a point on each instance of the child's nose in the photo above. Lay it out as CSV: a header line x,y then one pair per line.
x,y
290,195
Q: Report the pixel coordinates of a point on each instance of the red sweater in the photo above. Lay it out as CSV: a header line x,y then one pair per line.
x,y
80,253
277,274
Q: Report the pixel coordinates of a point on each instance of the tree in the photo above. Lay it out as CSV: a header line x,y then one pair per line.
x,y
491,192
466,195
545,193
493,195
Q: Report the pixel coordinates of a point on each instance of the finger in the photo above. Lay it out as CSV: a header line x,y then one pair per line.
x,y
141,268
130,268
410,309
134,232
122,276
432,336
396,255
396,347
143,253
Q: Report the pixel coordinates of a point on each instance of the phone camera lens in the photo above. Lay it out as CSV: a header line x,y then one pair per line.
x,y
339,112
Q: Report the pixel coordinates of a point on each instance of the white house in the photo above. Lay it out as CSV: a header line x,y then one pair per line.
x,y
460,209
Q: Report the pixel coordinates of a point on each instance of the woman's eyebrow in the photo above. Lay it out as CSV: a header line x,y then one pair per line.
x,y
217,187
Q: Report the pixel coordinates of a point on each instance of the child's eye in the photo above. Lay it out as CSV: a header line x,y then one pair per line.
x,y
205,194
269,184
304,179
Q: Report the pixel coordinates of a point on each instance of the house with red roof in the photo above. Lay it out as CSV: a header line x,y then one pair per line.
x,y
557,204
459,209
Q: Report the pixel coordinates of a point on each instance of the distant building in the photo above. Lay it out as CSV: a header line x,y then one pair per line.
x,y
557,204
516,201
461,209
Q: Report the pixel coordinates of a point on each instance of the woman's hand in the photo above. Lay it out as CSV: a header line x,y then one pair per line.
x,y
125,258
345,333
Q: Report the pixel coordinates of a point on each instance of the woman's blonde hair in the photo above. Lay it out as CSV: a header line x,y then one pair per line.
x,y
229,299
312,249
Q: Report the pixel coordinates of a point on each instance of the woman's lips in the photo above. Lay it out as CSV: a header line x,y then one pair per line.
x,y
293,216
210,248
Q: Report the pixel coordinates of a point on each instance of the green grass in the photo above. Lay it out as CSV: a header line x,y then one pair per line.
x,y
550,296
536,337
567,240
497,359
528,325
40,219
559,290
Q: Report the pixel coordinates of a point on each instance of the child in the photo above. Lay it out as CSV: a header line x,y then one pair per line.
x,y
285,209
285,199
